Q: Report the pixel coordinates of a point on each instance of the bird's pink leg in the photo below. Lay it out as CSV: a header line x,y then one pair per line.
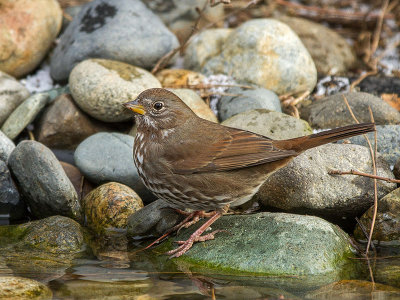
x,y
191,218
196,236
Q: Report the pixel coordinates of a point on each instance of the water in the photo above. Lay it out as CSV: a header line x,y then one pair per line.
x,y
108,273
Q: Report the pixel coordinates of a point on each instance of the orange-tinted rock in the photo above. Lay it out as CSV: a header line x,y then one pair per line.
x,y
27,30
63,125
179,78
109,206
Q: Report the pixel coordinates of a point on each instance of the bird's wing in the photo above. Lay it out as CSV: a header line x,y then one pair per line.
x,y
237,149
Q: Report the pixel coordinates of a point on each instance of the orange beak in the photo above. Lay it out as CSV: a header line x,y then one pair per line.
x,y
135,107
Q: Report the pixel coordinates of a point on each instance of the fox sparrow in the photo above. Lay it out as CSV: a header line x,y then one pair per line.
x,y
193,163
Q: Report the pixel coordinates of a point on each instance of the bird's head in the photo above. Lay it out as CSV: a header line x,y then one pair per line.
x,y
159,109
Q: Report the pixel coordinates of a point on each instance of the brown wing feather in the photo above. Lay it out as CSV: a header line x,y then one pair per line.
x,y
238,149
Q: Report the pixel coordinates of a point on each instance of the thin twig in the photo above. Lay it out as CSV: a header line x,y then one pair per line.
x,y
364,231
378,29
369,59
332,15
373,157
31,136
375,189
354,172
361,78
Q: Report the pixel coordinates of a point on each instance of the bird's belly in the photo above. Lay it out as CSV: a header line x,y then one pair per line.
x,y
205,191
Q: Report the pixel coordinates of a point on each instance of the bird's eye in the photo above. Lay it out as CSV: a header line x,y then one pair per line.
x,y
158,105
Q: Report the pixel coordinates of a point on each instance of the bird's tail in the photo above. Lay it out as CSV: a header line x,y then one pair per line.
x,y
310,141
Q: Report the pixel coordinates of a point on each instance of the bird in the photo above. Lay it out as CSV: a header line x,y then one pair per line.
x,y
195,164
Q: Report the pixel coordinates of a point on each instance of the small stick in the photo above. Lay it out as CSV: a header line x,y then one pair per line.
x,y
31,136
354,172
364,230
375,189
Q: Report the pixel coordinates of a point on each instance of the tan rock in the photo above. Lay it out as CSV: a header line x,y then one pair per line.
x,y
101,86
331,53
27,30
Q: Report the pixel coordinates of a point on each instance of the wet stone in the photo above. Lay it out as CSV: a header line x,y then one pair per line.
x,y
43,182
387,223
13,287
56,234
109,206
271,244
154,219
10,202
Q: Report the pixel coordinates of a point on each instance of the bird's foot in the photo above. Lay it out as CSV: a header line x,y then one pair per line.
x,y
196,237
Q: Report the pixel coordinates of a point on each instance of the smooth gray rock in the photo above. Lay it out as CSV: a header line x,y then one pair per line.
x,y
245,100
154,219
6,146
10,202
124,30
106,157
24,114
274,244
101,86
272,124
12,94
332,111
388,137
304,185
267,53
43,181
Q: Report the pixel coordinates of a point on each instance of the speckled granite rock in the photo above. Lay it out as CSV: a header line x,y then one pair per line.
x,y
304,185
